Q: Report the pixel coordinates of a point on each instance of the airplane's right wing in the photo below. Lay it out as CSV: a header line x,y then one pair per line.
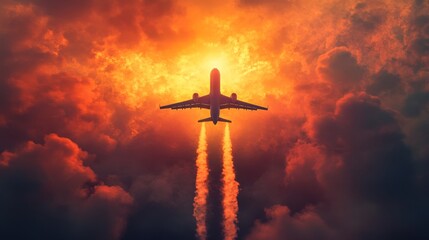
x,y
201,102
227,102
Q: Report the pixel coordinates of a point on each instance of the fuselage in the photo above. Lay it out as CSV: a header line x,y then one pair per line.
x,y
214,94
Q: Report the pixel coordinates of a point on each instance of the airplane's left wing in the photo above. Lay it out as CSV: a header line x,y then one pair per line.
x,y
227,102
201,102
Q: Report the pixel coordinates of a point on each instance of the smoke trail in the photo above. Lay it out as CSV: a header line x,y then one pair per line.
x,y
201,188
230,189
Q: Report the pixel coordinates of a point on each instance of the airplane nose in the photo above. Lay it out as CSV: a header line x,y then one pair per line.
x,y
214,71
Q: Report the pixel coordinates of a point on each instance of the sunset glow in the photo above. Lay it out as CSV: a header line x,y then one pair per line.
x,y
87,153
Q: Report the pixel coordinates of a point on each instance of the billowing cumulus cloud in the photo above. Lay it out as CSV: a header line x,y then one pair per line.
x,y
305,225
49,193
87,154
340,68
369,143
363,173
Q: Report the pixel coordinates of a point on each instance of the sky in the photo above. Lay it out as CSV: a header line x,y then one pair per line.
x,y
342,152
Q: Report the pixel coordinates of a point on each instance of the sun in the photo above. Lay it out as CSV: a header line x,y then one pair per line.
x,y
223,60
219,61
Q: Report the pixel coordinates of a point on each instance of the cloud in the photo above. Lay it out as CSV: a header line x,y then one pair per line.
x,y
302,165
385,82
420,44
415,103
48,185
366,19
270,3
57,103
325,157
65,11
371,144
281,225
340,68
357,160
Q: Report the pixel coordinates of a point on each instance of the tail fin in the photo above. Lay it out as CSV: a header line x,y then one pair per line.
x,y
224,120
209,119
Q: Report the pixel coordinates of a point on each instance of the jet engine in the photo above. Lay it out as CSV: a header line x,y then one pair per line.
x,y
195,97
234,97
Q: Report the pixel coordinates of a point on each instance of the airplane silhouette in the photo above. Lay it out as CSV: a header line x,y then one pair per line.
x,y
214,101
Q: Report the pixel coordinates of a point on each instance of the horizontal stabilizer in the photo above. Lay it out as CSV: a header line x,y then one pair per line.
x,y
209,119
224,120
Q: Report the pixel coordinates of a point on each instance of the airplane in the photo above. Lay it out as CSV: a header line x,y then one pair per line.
x,y
214,101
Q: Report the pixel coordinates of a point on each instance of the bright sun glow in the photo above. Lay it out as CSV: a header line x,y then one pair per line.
x,y
220,62
134,74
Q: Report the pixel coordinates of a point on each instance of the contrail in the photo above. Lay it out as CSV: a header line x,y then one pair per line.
x,y
230,190
201,188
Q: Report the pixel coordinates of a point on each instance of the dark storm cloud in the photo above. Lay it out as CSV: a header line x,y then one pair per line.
x,y
165,203
419,140
416,103
156,166
46,194
420,45
281,225
364,163
302,185
417,30
376,168
340,68
385,82
371,144
365,18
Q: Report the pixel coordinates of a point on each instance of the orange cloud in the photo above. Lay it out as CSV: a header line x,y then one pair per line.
x,y
94,72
